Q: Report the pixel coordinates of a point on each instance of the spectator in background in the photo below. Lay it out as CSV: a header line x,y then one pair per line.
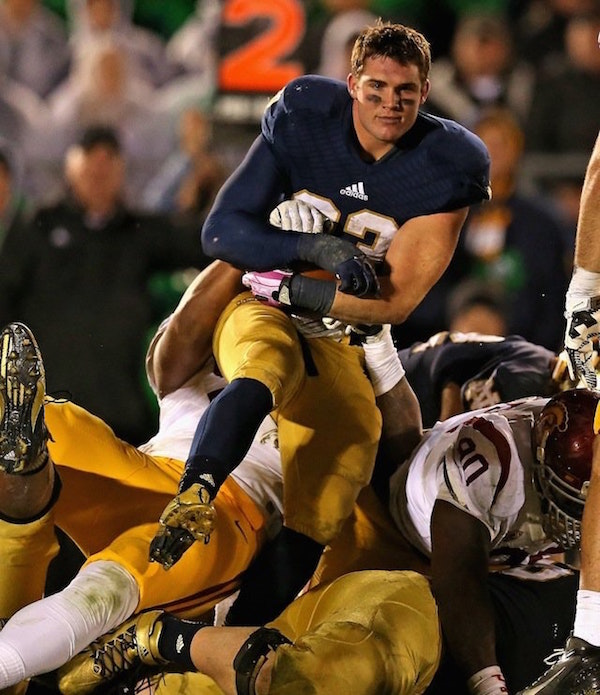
x,y
517,243
347,21
23,118
78,276
476,307
93,20
540,25
13,205
565,110
482,71
190,178
104,88
192,52
36,40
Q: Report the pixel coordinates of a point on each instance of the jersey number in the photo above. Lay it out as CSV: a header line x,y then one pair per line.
x,y
370,231
466,447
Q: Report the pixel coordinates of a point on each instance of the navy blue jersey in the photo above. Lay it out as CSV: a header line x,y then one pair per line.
x,y
519,368
308,150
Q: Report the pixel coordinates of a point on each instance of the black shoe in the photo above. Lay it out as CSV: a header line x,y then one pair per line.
x,y
577,672
23,433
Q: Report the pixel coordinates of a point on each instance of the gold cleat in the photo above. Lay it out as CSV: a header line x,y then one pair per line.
x,y
23,433
133,643
189,517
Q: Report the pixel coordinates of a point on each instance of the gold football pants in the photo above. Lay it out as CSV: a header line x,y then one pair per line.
x,y
111,499
328,422
366,633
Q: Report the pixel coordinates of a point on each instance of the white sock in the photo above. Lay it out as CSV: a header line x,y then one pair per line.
x,y
47,633
587,616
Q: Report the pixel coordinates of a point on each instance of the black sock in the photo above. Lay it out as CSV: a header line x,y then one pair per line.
x,y
275,577
225,433
175,640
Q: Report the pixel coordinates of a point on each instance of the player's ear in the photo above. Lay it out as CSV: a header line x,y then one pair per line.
x,y
351,84
425,92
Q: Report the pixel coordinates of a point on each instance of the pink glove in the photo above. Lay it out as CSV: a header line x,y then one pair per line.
x,y
265,286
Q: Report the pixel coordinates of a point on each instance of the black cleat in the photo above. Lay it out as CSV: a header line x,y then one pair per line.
x,y
577,672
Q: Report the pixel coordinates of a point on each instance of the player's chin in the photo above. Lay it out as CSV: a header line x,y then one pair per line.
x,y
391,130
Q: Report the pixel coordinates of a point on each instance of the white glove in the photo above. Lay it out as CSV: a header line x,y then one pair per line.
x,y
298,216
582,311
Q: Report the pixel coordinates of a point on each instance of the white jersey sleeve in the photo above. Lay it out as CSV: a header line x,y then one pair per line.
x,y
480,462
483,475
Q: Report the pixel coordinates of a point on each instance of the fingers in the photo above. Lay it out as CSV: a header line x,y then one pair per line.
x,y
298,216
169,544
357,277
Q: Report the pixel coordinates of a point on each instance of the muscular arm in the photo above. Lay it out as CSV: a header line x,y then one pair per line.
x,y
418,255
590,538
236,230
587,247
179,351
451,401
460,550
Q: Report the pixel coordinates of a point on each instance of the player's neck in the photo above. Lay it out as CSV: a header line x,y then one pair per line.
x,y
371,149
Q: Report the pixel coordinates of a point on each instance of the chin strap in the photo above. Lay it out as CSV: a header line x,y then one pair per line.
x,y
252,655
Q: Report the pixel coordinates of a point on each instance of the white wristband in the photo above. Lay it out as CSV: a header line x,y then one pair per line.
x,y
584,283
383,364
488,681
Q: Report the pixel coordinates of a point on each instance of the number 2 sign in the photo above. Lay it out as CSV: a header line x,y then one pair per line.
x,y
261,63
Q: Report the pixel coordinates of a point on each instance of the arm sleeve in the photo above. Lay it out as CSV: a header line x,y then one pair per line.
x,y
237,228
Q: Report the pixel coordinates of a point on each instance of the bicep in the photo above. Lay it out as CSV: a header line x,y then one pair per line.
x,y
236,228
421,251
458,539
417,257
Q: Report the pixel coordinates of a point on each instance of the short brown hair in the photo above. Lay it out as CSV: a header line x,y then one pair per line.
x,y
396,41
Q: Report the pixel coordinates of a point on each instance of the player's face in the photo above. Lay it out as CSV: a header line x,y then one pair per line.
x,y
387,96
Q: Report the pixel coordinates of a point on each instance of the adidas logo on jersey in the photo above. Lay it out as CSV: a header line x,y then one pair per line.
x,y
356,190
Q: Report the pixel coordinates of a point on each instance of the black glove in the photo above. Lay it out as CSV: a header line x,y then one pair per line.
x,y
350,265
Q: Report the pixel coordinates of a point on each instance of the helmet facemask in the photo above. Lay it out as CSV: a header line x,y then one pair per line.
x,y
563,436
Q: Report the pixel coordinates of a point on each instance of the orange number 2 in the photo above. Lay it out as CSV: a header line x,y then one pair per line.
x,y
258,66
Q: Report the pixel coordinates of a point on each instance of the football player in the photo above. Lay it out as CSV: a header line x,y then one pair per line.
x,y
367,632
61,465
476,488
578,671
453,372
396,185
582,304
498,503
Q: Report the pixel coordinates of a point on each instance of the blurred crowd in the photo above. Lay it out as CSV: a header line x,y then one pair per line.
x,y
111,153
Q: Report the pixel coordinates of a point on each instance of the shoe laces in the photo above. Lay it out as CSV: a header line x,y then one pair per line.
x,y
117,655
556,655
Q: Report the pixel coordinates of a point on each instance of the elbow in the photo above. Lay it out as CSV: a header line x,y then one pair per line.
x,y
210,240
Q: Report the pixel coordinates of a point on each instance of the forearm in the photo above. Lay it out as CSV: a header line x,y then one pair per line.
x,y
460,555
467,618
186,343
213,650
237,229
393,306
587,247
